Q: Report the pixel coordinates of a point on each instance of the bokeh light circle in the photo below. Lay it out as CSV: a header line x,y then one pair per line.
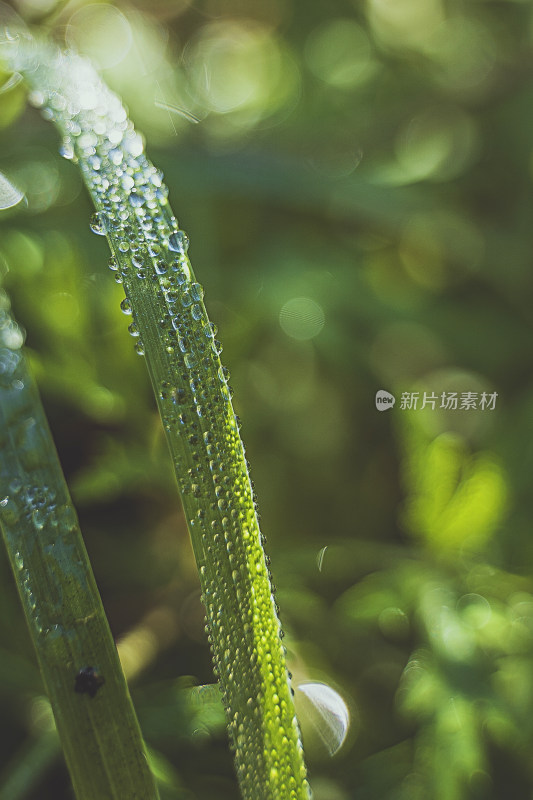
x,y
301,318
102,32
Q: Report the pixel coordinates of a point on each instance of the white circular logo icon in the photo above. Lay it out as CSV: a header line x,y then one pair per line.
x,y
384,400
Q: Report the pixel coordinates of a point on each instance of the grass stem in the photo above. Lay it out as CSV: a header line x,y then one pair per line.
x,y
77,656
171,328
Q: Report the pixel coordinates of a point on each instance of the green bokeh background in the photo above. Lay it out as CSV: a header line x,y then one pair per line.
x,y
356,181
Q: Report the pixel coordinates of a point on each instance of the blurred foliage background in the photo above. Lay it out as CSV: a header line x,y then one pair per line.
x,y
356,181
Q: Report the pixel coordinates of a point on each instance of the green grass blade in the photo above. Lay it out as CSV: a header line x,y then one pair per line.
x,y
99,734
171,328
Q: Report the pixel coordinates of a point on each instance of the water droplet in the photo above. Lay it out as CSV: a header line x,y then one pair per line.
x,y
196,312
133,329
116,156
164,391
87,141
11,336
66,149
178,242
113,264
329,714
128,183
136,200
134,144
182,274
39,518
125,306
97,224
197,292
95,162
36,98
139,347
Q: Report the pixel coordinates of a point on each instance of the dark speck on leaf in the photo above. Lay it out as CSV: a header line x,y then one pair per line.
x,y
88,681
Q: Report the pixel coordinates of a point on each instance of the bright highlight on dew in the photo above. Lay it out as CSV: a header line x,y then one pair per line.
x,y
328,713
10,196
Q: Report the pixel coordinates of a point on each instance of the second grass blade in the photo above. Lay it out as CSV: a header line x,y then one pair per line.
x,y
77,656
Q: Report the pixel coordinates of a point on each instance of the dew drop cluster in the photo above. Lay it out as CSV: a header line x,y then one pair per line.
x,y
168,321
